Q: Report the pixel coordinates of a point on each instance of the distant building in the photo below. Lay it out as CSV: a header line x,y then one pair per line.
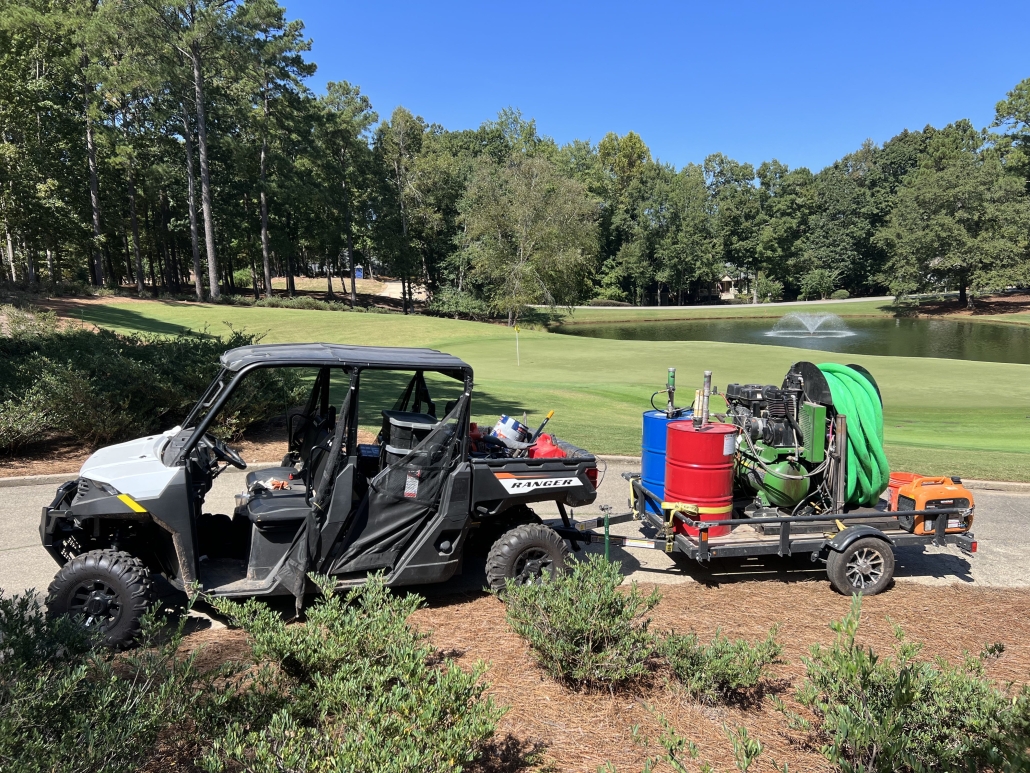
x,y
728,288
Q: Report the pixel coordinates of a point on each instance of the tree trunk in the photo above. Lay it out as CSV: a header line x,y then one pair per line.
x,y
754,290
191,199
10,253
264,196
167,250
134,223
50,264
329,281
254,277
97,271
350,233
205,175
963,296
30,263
128,255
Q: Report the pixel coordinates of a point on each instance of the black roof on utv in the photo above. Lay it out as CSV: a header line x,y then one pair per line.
x,y
340,355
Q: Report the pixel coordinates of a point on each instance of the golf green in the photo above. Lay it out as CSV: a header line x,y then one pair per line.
x,y
948,417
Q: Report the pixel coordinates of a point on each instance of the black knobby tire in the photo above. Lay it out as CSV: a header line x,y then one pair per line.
x,y
525,554
105,590
865,567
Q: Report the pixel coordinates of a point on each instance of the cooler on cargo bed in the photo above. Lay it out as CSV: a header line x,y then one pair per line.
x,y
402,431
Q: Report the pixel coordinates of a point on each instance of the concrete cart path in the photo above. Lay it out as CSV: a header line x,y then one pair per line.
x,y
1001,527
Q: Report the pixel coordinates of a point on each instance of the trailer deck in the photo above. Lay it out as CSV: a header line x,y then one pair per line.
x,y
826,537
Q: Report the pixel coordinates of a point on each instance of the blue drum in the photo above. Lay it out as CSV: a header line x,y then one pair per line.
x,y
652,463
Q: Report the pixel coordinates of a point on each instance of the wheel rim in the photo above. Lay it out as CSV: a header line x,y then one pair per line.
x,y
531,565
95,603
865,568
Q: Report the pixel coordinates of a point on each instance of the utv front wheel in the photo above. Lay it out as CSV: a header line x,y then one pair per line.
x,y
525,554
106,591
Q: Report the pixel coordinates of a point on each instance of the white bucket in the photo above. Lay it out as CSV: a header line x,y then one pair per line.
x,y
508,430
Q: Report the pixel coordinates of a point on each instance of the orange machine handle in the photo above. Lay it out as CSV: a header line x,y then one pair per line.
x,y
937,481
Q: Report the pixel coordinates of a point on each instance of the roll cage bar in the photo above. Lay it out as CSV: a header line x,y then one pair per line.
x,y
218,392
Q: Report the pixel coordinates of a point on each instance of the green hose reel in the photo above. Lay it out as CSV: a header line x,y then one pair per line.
x,y
784,432
856,396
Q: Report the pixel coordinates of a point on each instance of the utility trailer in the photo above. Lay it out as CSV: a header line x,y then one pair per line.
x,y
784,471
857,546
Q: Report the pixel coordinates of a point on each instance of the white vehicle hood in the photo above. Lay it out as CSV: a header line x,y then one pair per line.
x,y
134,468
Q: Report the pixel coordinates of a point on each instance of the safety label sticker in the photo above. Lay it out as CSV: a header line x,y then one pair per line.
x,y
729,444
411,485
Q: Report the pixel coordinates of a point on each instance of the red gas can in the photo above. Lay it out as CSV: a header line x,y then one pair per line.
x,y
699,471
545,448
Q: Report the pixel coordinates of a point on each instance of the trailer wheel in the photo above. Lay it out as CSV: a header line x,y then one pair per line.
x,y
105,591
525,554
865,567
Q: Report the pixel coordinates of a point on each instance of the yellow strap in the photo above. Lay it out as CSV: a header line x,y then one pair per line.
x,y
684,507
132,504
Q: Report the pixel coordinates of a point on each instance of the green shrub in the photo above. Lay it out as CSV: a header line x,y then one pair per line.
x,y
449,302
675,750
354,688
101,387
901,714
607,302
840,295
582,628
818,283
769,290
722,669
67,706
241,278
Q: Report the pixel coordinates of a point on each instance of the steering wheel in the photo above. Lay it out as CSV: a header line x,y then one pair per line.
x,y
226,454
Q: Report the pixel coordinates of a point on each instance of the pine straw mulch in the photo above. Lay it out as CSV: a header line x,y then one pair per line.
x,y
549,727
582,731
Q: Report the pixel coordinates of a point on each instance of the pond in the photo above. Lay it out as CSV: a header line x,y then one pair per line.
x,y
902,337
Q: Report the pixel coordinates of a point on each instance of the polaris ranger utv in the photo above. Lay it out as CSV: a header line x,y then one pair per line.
x,y
410,504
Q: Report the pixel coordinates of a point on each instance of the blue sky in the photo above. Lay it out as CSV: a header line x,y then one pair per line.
x,y
801,82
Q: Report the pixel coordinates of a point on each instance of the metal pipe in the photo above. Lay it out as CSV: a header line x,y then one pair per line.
x,y
842,462
670,388
704,397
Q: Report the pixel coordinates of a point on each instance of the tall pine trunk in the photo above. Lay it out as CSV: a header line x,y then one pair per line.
x,y
134,222
349,230
264,201
205,175
97,268
191,198
10,253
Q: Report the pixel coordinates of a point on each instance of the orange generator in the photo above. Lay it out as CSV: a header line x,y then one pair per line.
x,y
918,492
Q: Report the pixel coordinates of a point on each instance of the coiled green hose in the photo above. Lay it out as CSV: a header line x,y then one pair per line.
x,y
856,398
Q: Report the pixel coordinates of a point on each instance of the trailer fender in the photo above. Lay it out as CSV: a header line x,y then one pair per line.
x,y
842,539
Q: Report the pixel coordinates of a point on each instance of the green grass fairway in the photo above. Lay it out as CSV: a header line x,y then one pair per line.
x,y
951,417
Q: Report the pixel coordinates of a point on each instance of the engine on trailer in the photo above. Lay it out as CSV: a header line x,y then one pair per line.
x,y
784,435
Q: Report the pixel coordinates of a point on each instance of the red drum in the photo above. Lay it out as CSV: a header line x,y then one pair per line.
x,y
699,471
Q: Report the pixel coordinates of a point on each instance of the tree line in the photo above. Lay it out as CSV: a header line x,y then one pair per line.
x,y
173,145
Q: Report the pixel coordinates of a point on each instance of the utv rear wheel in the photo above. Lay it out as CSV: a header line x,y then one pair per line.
x,y
525,554
865,567
107,591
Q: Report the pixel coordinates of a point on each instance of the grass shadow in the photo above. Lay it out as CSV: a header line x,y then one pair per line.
x,y
106,315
